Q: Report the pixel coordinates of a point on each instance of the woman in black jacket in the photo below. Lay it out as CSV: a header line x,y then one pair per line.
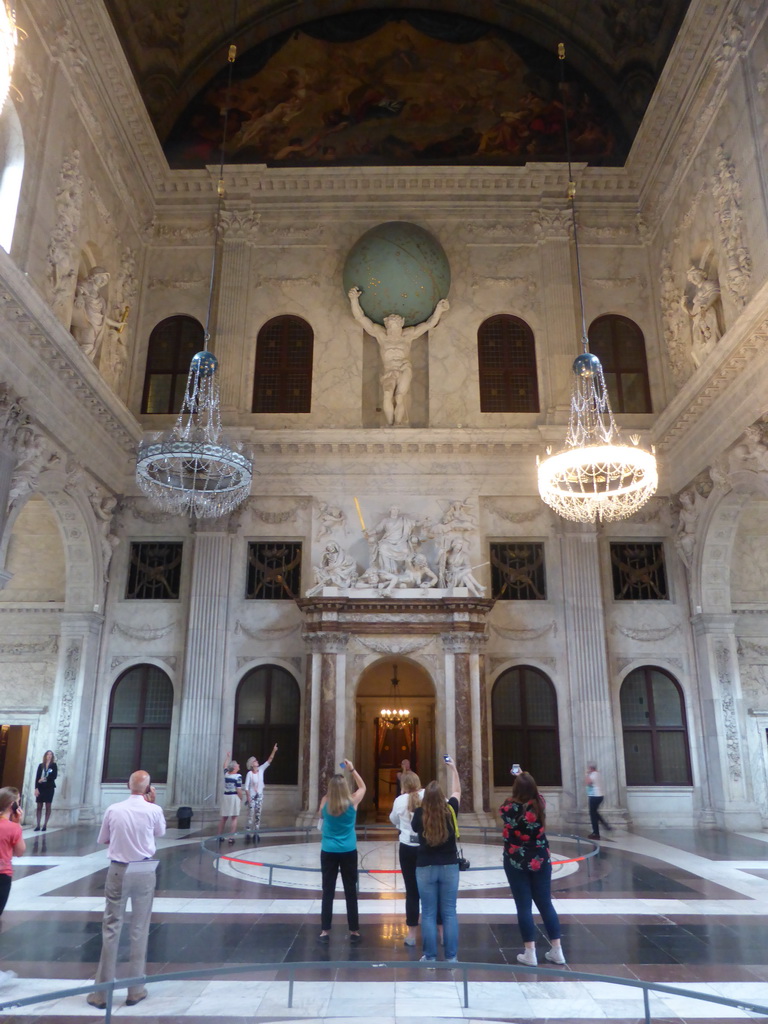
x,y
45,784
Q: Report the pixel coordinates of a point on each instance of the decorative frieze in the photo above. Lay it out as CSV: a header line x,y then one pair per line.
x,y
144,633
524,634
22,648
392,645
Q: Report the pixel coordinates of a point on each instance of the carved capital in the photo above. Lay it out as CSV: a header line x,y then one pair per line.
x,y
464,643
326,643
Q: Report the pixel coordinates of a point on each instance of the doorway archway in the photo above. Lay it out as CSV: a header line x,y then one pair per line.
x,y
381,748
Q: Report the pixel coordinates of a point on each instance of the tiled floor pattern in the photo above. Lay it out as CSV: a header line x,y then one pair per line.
x,y
680,907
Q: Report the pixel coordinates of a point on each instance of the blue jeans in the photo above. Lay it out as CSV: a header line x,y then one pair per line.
x,y
528,887
438,886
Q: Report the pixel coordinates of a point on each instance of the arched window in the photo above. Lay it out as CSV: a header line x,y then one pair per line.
x,y
619,344
172,344
506,355
11,171
283,380
655,736
139,726
524,721
266,713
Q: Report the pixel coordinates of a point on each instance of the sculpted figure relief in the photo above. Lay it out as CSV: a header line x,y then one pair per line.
x,y
393,540
34,456
457,519
700,304
89,314
335,570
395,347
751,452
691,504
458,571
330,518
416,573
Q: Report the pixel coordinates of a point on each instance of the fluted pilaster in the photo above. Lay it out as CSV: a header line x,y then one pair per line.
x,y
553,230
592,718
236,226
200,739
723,722
77,796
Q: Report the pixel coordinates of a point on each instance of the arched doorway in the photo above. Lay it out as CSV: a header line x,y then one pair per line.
x,y
380,746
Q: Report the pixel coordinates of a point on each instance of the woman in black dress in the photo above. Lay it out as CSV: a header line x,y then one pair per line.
x,y
45,784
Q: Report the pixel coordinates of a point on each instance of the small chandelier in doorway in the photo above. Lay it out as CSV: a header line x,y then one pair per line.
x,y
394,716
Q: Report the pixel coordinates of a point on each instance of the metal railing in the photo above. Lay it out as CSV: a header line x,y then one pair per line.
x,y
504,970
212,846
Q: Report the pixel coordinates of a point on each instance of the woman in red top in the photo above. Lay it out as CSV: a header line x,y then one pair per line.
x,y
11,841
529,868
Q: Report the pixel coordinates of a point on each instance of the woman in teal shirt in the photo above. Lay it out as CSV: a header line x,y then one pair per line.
x,y
338,849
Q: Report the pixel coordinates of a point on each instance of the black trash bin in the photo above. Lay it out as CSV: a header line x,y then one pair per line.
x,y
184,816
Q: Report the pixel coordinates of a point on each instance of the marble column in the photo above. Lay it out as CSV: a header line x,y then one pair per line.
x,y
325,727
200,753
726,752
236,226
78,751
553,230
464,718
591,717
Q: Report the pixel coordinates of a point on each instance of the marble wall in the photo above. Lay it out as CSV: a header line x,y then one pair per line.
x,y
96,192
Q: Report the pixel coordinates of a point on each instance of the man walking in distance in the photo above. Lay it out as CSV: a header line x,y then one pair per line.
x,y
129,828
595,796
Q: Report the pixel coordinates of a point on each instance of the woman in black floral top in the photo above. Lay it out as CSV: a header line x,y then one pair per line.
x,y
529,868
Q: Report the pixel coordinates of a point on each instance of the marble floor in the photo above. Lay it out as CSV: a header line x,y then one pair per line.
x,y
675,906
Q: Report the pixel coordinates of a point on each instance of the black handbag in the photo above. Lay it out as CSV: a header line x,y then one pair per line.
x,y
464,864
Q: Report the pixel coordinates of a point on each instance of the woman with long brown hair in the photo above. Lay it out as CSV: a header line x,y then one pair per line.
x,y
528,867
338,849
437,865
402,817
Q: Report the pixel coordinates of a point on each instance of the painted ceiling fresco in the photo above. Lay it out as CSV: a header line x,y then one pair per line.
x,y
421,88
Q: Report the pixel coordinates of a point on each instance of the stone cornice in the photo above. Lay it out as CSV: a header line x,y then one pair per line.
x,y
689,93
357,186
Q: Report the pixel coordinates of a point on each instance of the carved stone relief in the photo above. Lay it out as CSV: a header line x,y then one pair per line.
x,y
727,190
62,264
66,708
728,707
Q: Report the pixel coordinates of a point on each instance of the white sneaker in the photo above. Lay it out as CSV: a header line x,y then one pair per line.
x,y
555,956
7,976
528,958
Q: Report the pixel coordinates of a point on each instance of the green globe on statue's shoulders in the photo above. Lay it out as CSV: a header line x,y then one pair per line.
x,y
399,268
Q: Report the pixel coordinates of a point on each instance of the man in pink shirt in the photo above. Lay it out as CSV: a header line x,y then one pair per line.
x,y
129,829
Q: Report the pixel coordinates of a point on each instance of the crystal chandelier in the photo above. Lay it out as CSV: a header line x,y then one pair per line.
x,y
8,40
595,476
193,469
394,716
